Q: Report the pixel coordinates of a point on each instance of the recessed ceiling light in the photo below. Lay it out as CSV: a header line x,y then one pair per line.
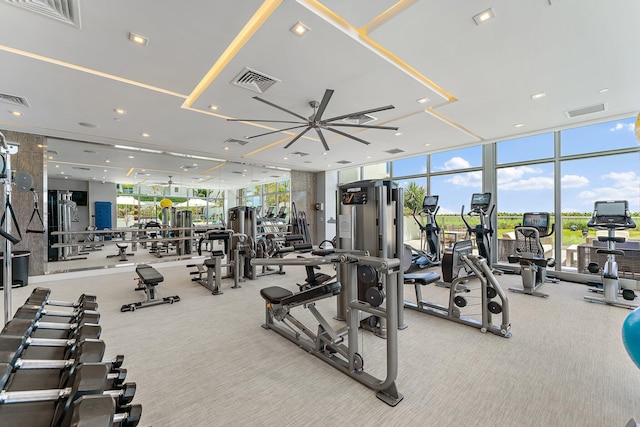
x,y
107,161
88,125
484,16
61,172
285,158
145,135
104,170
213,107
603,90
538,95
427,144
131,157
398,133
226,148
368,157
518,125
138,39
299,29
16,113
50,157
325,153
120,111
328,166
57,165
422,100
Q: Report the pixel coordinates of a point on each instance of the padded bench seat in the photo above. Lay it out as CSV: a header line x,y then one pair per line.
x,y
421,278
149,275
278,295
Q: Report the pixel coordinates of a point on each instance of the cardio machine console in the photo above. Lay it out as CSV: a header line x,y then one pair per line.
x,y
538,220
354,196
430,203
480,202
611,212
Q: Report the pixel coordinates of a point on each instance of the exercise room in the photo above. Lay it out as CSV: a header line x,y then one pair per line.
x,y
318,212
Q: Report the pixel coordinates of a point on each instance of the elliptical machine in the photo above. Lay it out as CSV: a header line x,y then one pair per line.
x,y
611,215
429,253
482,231
530,253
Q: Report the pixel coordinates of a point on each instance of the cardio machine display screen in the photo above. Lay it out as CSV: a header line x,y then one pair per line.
x,y
539,220
480,201
430,202
611,211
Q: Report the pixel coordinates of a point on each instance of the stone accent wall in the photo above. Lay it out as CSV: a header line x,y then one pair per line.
x,y
29,159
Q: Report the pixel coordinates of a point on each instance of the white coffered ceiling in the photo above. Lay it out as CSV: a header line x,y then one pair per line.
x,y
479,79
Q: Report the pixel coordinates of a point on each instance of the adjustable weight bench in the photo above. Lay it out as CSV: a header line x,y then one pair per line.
x,y
421,278
122,252
148,279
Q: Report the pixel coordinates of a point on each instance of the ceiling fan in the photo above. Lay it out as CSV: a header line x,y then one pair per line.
x,y
316,122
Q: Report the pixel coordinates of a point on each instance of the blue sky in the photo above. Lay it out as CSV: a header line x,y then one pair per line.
x,y
530,188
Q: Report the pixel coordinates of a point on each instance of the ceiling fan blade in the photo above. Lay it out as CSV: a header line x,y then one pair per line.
x,y
275,131
298,136
323,104
373,110
362,126
348,136
266,121
280,108
324,141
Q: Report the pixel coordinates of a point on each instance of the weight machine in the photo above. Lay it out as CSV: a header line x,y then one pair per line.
x,y
370,219
339,348
611,215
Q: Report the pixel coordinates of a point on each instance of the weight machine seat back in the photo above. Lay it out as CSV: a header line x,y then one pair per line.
x,y
149,275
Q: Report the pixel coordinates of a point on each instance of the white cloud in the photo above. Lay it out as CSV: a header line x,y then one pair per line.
x,y
624,178
471,179
620,186
456,163
574,181
507,175
623,126
532,183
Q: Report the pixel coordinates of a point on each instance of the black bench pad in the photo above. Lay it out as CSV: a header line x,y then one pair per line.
x,y
149,275
422,278
274,294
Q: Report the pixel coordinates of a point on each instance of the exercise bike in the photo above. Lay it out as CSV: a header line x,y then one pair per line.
x,y
530,253
611,215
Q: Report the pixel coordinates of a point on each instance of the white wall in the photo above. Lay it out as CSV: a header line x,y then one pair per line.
x,y
327,185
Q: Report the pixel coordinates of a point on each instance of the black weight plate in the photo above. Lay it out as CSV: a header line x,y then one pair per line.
x,y
374,296
367,274
628,294
494,307
491,292
373,321
460,301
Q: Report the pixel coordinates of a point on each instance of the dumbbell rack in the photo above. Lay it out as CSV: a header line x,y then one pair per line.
x,y
52,371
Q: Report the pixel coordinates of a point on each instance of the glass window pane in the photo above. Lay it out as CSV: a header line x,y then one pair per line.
x,y
584,182
457,159
454,190
414,192
600,137
411,166
522,189
349,175
381,170
528,148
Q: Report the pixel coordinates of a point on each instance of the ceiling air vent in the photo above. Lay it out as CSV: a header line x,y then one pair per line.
x,y
15,100
359,119
235,141
238,172
394,151
254,80
299,154
598,108
343,162
80,168
67,11
274,176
